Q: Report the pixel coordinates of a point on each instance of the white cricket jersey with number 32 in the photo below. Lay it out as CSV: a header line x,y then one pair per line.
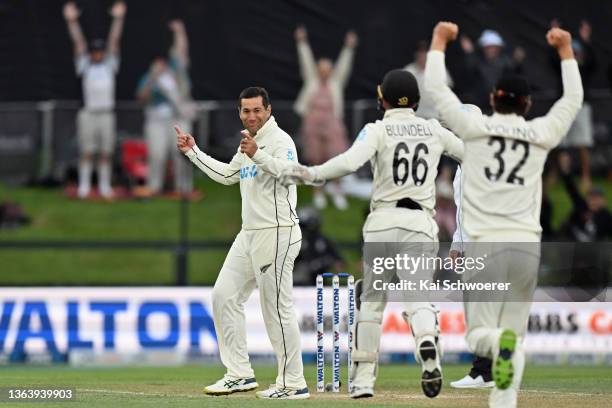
x,y
504,153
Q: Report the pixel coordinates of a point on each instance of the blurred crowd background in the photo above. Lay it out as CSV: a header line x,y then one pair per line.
x,y
118,213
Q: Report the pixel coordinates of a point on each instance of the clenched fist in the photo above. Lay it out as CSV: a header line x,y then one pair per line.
x,y
562,41
445,30
558,37
248,145
184,141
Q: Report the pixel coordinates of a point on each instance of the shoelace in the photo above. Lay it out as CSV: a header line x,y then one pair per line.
x,y
231,383
282,392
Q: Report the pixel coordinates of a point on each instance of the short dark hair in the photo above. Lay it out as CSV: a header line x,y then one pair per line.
x,y
254,92
511,95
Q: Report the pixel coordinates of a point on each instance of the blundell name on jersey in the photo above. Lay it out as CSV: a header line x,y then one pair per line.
x,y
407,130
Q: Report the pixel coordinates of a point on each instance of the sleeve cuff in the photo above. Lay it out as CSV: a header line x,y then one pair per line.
x,y
568,62
436,54
193,152
259,156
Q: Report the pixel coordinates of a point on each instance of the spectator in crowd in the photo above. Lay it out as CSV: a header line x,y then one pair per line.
x,y
318,254
487,68
590,219
580,135
96,120
321,106
426,107
166,91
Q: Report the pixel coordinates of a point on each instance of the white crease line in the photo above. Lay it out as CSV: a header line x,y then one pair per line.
x,y
328,396
145,394
581,394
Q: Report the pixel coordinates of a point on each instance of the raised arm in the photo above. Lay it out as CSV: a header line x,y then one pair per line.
x,y
71,14
308,65
180,44
556,123
462,119
114,35
344,64
220,172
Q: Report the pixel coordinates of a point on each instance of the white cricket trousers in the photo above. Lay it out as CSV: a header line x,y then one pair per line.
x,y
515,258
262,258
420,314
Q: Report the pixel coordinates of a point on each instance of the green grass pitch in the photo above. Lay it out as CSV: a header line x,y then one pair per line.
x,y
397,385
216,217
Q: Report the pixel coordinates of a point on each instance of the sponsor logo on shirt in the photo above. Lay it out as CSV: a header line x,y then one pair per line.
x,y
248,172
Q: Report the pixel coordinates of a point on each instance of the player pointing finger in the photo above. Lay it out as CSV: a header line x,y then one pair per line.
x,y
184,141
248,145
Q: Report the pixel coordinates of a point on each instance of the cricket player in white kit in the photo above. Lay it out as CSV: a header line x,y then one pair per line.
x,y
404,151
262,254
501,195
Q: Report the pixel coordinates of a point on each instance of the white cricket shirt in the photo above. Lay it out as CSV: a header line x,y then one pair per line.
x,y
404,151
504,154
265,202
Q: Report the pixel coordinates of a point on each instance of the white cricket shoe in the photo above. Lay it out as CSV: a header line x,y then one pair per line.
x,y
275,392
229,385
471,382
362,392
431,378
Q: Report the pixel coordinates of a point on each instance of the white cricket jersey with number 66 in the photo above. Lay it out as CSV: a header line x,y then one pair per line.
x,y
404,151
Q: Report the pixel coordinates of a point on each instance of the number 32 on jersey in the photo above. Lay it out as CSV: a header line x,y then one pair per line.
x,y
496,173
